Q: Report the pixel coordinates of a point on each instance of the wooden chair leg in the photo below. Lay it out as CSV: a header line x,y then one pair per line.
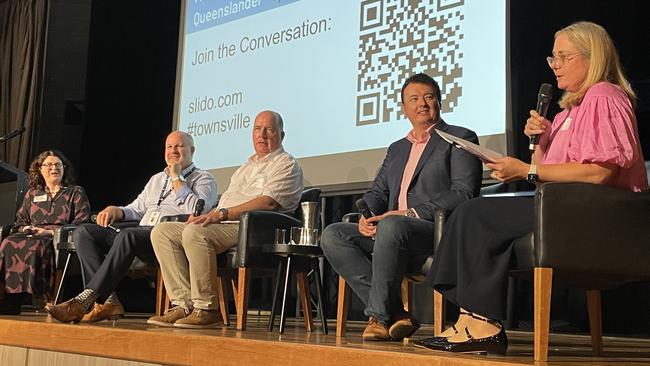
x,y
595,321
161,295
542,299
243,286
305,299
407,294
438,313
342,309
223,299
58,276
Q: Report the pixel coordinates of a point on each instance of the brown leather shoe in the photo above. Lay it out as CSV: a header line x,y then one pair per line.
x,y
103,312
404,325
375,331
69,311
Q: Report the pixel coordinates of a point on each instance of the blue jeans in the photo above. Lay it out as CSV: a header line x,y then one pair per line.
x,y
374,268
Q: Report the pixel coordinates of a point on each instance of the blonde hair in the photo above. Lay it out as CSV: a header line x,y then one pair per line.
x,y
594,44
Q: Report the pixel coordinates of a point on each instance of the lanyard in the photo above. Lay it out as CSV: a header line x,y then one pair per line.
x,y
164,195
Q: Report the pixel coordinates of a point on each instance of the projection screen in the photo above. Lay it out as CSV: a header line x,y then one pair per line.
x,y
333,69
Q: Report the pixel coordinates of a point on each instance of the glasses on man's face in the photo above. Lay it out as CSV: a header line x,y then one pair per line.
x,y
52,165
560,60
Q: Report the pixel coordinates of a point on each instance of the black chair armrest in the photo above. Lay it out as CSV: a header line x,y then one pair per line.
x,y
352,217
63,237
175,218
6,230
257,229
439,219
125,224
583,227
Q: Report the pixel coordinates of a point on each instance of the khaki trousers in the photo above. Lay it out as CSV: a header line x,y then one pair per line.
x,y
187,254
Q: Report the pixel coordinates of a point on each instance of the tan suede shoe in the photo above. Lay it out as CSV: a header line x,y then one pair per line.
x,y
375,331
404,325
170,317
69,311
104,312
200,319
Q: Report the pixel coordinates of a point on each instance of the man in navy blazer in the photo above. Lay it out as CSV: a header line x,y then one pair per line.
x,y
420,173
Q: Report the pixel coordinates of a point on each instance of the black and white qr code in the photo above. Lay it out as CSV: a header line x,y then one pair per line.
x,y
399,38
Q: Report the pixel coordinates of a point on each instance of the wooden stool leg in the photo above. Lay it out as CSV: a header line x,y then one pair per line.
x,y
407,293
242,297
595,321
342,309
223,300
160,293
543,283
305,300
438,313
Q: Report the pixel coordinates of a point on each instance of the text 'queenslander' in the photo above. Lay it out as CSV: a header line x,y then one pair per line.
x,y
232,8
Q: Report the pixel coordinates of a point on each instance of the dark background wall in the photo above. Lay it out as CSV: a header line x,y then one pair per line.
x,y
109,83
110,76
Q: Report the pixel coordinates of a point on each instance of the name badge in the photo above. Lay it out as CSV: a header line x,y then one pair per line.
x,y
151,218
41,198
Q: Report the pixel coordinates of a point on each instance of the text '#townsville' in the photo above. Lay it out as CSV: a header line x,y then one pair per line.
x,y
238,122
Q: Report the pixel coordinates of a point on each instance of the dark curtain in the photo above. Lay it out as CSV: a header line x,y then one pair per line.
x,y
22,34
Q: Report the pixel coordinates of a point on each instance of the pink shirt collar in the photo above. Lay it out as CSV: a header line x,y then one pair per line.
x,y
425,137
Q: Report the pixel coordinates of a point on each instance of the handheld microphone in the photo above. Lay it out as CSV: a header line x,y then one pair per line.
x,y
362,206
544,96
12,134
198,207
93,218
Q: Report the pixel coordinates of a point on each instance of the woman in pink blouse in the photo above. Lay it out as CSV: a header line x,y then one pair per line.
x,y
593,140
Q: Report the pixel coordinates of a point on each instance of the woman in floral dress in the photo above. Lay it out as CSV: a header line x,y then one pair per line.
x,y
27,255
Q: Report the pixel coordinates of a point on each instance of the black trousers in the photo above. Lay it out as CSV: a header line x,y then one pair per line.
x,y
472,262
106,256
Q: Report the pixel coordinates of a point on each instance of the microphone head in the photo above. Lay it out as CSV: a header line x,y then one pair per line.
x,y
93,218
198,208
545,93
362,206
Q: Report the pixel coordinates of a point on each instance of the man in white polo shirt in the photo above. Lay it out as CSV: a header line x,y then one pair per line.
x,y
271,180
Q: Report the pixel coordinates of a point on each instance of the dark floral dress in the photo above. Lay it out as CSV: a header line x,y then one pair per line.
x,y
27,261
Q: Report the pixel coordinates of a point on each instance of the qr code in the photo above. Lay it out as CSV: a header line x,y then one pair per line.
x,y
399,38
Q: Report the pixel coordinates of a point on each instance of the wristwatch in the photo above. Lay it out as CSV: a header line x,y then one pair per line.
x,y
532,174
411,213
180,177
223,212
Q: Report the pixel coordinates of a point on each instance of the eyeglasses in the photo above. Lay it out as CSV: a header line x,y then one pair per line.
x,y
560,60
52,165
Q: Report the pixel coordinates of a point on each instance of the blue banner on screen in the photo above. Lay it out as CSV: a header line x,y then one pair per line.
x,y
333,69
203,14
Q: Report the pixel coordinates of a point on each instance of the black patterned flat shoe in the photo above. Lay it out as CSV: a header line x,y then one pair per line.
x,y
429,341
496,344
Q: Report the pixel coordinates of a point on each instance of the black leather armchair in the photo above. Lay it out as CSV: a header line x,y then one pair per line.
x,y
586,236
256,229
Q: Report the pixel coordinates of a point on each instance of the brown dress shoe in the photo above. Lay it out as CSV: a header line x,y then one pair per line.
x,y
404,325
69,311
103,312
375,331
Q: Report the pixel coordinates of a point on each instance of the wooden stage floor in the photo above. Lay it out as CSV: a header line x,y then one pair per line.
x,y
132,339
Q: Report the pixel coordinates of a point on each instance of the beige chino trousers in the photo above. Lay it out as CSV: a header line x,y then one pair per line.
x,y
187,254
